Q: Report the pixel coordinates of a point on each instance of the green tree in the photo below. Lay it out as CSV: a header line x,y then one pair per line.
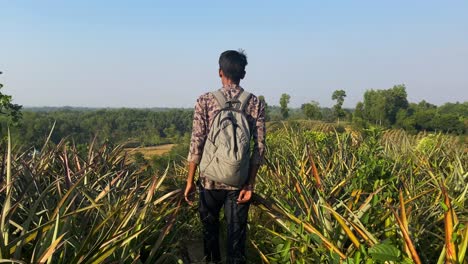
x,y
460,109
396,99
405,120
339,96
284,101
358,115
7,108
312,110
381,106
429,117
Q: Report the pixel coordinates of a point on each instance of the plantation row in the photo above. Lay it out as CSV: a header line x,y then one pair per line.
x,y
323,197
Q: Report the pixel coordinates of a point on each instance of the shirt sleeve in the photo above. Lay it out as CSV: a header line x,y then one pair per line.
x,y
258,154
199,131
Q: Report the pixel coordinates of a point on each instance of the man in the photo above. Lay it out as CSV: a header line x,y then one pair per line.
x,y
215,194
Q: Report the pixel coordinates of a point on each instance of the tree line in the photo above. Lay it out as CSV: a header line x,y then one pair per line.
x,y
147,127
134,127
388,108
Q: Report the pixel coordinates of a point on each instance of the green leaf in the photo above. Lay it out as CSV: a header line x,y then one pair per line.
x,y
385,252
279,247
444,206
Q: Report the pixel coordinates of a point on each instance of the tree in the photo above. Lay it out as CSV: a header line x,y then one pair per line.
x,y
339,96
7,108
381,106
405,120
358,115
395,100
312,110
284,101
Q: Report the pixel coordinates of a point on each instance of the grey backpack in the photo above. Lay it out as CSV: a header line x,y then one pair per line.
x,y
226,153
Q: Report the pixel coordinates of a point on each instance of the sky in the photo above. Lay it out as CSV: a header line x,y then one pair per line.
x,y
165,53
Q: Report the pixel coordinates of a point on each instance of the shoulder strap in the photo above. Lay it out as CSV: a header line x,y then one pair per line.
x,y
219,96
240,101
244,98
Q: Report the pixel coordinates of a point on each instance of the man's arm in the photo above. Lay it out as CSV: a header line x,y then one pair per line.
x,y
253,169
190,186
257,154
196,147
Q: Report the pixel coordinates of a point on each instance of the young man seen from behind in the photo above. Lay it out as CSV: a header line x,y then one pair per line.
x,y
227,168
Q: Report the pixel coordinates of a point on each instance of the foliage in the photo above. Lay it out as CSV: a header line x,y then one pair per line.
x,y
62,207
381,106
284,101
369,196
428,117
137,126
339,96
390,108
363,197
312,110
8,109
176,155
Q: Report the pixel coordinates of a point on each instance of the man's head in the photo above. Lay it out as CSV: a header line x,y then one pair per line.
x,y
232,65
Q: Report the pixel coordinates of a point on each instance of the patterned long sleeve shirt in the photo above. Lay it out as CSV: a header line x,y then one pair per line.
x,y
206,109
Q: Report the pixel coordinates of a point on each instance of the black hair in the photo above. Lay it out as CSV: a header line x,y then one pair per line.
x,y
233,63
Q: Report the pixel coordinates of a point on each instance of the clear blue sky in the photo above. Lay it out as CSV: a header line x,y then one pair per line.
x,y
164,53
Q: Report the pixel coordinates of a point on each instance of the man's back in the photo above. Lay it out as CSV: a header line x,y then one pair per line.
x,y
206,109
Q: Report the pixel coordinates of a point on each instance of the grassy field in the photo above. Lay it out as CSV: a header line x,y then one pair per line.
x,y
149,152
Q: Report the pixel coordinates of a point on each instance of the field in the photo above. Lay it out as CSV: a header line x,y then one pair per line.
x,y
149,152
323,196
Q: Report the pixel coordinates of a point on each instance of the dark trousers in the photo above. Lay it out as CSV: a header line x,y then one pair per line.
x,y
211,202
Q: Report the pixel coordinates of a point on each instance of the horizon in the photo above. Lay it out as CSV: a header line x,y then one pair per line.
x,y
28,107
114,54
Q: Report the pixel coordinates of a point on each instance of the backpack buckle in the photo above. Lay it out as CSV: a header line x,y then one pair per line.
x,y
230,103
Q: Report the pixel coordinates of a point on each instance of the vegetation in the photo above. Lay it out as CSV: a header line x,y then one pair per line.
x,y
339,96
151,127
312,110
284,101
62,207
322,197
350,193
361,197
11,111
136,127
381,106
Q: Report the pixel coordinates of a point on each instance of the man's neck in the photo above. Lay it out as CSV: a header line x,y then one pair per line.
x,y
228,82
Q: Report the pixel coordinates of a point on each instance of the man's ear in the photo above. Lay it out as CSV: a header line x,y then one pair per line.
x,y
221,74
243,75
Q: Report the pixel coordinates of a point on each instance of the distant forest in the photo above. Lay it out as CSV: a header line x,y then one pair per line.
x,y
147,127
135,127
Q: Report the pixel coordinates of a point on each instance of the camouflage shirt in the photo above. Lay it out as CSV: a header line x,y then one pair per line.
x,y
205,110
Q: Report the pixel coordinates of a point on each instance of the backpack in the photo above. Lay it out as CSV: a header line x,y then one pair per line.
x,y
226,154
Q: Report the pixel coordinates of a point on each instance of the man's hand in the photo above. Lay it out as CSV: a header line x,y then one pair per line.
x,y
189,193
245,194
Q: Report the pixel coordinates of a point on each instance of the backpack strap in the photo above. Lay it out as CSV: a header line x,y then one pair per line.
x,y
239,102
219,96
244,98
